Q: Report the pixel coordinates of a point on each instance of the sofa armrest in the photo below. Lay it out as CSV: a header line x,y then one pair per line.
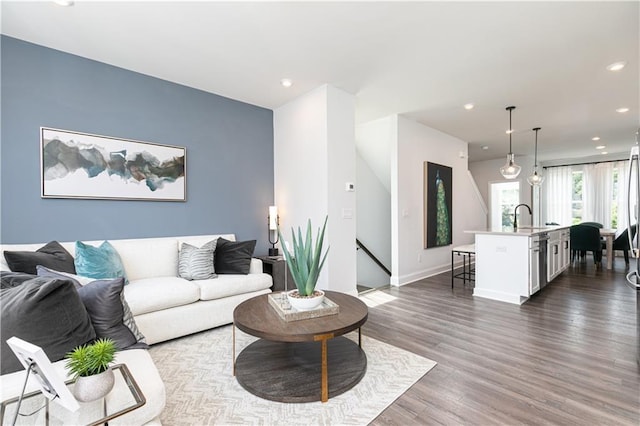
x,y
256,266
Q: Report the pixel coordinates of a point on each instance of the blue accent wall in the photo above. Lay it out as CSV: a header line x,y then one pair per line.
x,y
229,150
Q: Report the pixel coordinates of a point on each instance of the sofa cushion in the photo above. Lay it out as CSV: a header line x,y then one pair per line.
x,y
52,255
196,263
146,258
126,318
98,262
230,285
233,257
154,294
46,312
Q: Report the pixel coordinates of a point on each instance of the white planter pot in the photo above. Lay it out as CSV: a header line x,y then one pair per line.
x,y
305,303
93,387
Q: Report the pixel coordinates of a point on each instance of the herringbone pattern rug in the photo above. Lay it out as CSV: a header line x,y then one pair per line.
x,y
201,390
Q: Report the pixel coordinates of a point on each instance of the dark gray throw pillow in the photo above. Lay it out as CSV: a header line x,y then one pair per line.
x,y
46,312
52,255
102,300
13,279
109,312
233,257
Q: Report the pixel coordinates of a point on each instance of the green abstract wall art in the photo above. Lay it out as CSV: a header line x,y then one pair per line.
x,y
438,197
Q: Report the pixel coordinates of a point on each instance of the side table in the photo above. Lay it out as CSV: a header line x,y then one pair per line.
x,y
276,266
125,396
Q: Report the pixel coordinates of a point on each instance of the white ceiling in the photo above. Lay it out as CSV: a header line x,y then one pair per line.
x,y
421,59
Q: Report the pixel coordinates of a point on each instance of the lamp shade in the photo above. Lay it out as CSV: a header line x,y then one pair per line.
x,y
273,218
510,170
536,178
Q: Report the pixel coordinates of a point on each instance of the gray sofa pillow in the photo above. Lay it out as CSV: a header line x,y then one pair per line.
x,y
107,308
197,263
51,255
44,311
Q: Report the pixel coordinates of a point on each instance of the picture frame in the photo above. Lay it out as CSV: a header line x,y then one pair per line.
x,y
438,203
36,362
87,166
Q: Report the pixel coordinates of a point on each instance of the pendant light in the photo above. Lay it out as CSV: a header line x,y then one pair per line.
x,y
536,178
510,170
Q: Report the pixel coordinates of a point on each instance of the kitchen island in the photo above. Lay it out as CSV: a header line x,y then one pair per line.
x,y
511,265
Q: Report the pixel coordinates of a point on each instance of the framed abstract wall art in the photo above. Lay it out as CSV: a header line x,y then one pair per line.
x,y
81,165
437,205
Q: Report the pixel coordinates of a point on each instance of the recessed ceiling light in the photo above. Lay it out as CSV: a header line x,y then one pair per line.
x,y
468,106
286,82
600,147
63,2
622,110
604,152
595,138
509,131
485,147
616,66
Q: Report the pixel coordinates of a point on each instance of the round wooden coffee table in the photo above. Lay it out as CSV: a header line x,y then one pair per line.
x,y
291,361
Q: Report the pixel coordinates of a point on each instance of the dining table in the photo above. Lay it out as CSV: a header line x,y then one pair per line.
x,y
608,235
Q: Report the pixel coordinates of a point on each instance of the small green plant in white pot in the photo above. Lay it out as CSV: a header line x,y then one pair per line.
x,y
90,366
305,264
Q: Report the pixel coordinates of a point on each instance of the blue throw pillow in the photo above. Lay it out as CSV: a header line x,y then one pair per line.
x,y
98,262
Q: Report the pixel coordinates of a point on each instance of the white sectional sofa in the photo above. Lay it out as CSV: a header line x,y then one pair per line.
x,y
164,305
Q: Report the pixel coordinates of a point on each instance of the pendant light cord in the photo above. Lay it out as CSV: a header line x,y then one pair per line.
x,y
510,108
535,161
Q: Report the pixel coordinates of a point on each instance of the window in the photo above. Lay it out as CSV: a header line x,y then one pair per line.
x,y
596,193
505,196
576,198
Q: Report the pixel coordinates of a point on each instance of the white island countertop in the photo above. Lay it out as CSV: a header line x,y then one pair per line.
x,y
513,265
522,231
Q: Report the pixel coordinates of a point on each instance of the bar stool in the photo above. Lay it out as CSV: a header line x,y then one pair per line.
x,y
467,252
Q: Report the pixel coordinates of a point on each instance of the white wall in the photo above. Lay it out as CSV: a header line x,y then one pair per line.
x,y
314,155
414,145
342,203
373,227
373,142
485,172
373,197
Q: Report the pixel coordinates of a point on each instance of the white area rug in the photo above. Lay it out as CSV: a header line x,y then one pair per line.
x,y
201,390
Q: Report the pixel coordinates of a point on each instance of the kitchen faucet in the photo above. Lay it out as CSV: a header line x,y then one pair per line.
x,y
515,215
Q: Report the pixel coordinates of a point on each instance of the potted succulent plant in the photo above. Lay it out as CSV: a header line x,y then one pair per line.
x,y
305,264
89,364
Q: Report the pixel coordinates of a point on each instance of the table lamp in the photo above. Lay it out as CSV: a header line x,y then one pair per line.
x,y
273,221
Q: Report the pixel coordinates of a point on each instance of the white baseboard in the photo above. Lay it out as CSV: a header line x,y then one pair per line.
x,y
425,273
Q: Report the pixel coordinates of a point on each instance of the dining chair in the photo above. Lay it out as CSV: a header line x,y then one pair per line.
x,y
622,243
586,238
596,224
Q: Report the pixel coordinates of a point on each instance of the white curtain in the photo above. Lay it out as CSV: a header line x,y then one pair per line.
x,y
621,192
597,193
559,189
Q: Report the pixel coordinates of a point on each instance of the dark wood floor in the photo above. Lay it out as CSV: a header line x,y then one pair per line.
x,y
567,356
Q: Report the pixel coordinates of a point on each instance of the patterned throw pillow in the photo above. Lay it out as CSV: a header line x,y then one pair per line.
x,y
197,263
98,262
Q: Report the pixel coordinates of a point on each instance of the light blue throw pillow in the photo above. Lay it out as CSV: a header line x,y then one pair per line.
x,y
98,262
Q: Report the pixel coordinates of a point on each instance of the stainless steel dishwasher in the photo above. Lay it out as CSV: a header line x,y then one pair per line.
x,y
543,239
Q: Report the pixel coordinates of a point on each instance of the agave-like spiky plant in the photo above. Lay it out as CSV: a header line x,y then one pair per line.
x,y
305,264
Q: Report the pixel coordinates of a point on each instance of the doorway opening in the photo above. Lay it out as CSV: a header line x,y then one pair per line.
x,y
504,196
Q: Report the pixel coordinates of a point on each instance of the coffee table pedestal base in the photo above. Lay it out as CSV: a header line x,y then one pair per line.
x,y
292,372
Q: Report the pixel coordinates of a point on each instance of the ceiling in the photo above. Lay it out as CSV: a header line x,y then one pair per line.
x,y
424,60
